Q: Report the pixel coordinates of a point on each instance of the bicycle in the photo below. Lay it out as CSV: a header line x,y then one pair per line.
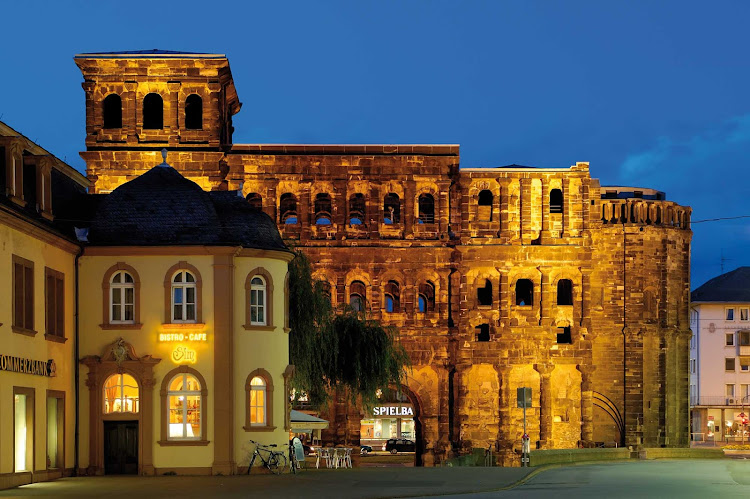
x,y
274,461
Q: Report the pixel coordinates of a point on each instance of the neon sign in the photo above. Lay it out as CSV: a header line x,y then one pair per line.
x,y
182,337
182,354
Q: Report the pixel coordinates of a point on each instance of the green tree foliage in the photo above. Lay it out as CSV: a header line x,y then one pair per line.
x,y
337,349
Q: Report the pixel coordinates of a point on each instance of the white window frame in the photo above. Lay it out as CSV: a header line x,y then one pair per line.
x,y
727,311
258,290
184,285
259,388
121,387
122,286
185,393
726,391
744,314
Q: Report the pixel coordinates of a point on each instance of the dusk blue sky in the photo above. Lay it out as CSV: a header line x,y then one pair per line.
x,y
652,94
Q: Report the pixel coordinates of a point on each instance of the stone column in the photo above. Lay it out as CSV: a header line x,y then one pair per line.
x,y
586,204
587,404
407,211
567,215
545,305
504,297
129,100
585,298
506,402
546,234
147,405
374,211
305,208
545,403
505,233
339,208
525,210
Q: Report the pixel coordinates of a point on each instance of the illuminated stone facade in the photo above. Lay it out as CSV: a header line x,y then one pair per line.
x,y
497,278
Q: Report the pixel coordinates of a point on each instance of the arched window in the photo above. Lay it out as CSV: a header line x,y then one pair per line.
x,y
112,108
357,209
357,296
257,301
153,112
323,208
122,298
194,112
484,295
564,292
524,293
185,407
426,297
258,405
391,209
255,201
121,394
325,287
392,297
183,297
288,208
426,209
555,201
484,211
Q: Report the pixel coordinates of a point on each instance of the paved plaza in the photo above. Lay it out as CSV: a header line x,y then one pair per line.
x,y
726,478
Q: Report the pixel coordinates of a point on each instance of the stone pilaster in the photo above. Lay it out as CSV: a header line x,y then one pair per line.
x,y
587,404
545,403
546,234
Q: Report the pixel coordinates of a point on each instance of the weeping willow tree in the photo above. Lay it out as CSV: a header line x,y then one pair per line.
x,y
337,349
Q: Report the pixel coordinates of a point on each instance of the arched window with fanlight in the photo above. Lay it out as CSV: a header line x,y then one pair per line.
x,y
153,112
323,209
121,394
392,296
357,209
194,112
122,298
112,111
426,297
183,297
258,401
185,406
288,208
257,301
357,296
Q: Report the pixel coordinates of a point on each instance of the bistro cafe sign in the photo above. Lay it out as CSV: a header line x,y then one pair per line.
x,y
28,366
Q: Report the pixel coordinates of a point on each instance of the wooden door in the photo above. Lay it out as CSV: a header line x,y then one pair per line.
x,y
121,447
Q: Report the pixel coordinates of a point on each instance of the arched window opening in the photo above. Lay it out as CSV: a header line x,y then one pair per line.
x,y
484,213
658,214
323,208
183,297
194,112
153,112
325,287
288,208
564,336
392,297
426,298
258,402
121,394
426,209
564,292
484,294
357,209
357,296
524,293
391,209
555,201
185,407
112,107
258,301
255,201
482,332
122,298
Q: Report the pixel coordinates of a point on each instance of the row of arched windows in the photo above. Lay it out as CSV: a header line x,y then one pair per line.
x,y
184,288
323,208
524,292
392,296
486,210
184,402
153,112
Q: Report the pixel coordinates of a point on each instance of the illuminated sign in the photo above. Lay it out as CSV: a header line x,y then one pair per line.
x,y
182,337
182,354
28,366
393,411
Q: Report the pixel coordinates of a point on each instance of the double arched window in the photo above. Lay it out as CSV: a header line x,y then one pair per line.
x,y
323,209
183,297
122,298
357,209
121,394
257,301
426,297
185,406
194,112
112,110
153,112
288,208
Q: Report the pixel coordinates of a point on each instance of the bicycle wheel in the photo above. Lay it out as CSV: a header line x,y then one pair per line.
x,y
277,463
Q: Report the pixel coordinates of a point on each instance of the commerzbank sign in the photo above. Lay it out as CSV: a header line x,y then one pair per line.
x,y
393,411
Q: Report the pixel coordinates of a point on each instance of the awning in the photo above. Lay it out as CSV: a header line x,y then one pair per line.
x,y
305,423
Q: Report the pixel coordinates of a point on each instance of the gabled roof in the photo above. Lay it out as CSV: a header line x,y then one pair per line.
x,y
151,53
733,286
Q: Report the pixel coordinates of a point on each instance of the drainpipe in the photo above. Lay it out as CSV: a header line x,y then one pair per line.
x,y
77,368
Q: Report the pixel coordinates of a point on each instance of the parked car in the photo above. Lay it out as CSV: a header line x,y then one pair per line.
x,y
395,445
365,449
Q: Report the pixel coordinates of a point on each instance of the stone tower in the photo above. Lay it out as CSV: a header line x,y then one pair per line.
x,y
142,101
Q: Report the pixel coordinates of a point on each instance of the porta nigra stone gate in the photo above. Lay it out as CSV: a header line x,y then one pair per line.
x,y
497,278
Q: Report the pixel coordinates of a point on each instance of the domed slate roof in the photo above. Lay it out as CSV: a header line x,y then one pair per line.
x,y
163,208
